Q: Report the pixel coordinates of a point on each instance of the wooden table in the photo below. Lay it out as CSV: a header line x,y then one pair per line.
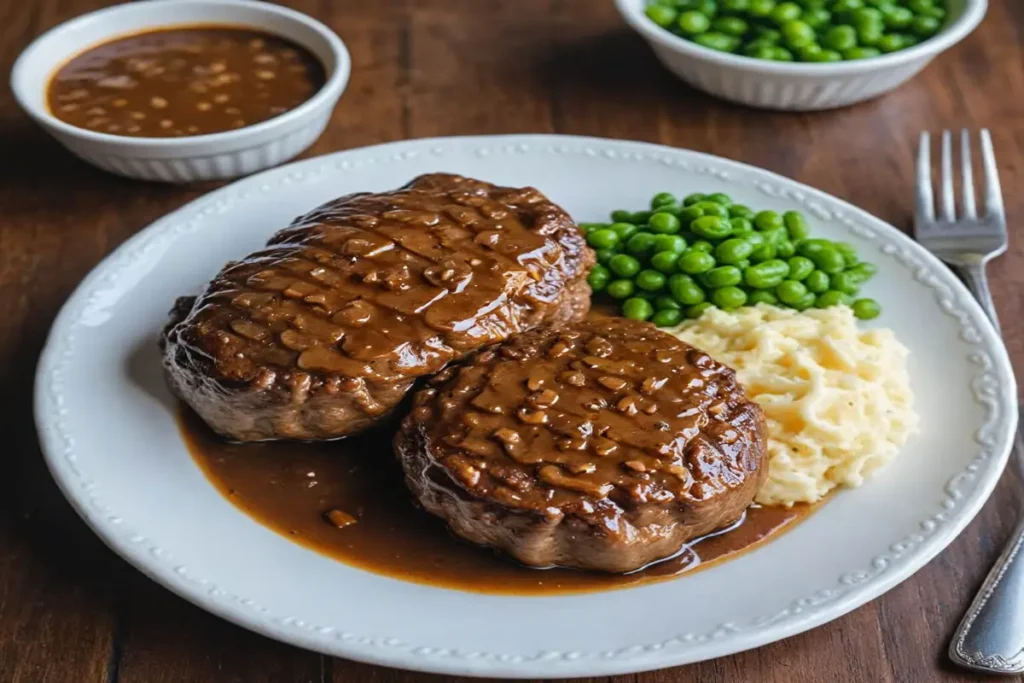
x,y
70,610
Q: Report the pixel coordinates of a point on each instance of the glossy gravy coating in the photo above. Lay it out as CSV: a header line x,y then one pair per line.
x,y
306,491
183,81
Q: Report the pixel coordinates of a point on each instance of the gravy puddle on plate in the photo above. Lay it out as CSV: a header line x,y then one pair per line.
x,y
291,487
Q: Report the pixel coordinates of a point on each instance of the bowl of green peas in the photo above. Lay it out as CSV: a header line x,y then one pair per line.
x,y
681,256
799,55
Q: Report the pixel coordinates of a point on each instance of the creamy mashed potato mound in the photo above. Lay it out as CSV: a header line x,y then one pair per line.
x,y
837,398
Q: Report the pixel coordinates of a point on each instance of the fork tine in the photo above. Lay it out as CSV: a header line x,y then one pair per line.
x,y
967,176
946,200
993,193
925,199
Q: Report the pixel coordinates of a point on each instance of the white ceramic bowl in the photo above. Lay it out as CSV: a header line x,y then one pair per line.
x,y
797,86
199,157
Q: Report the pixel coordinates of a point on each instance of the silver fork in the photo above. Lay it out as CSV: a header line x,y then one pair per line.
x,y
990,637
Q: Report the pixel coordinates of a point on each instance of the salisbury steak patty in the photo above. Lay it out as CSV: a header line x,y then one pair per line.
x,y
324,331
601,445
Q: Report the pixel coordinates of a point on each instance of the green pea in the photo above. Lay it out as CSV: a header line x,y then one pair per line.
x,y
693,23
707,7
868,34
665,261
774,236
664,223
604,255
786,11
800,267
639,217
861,53
662,199
768,34
736,6
587,227
690,214
730,26
812,246
624,265
711,208
733,250
831,298
826,56
723,276
650,280
691,199
741,226
818,281
767,220
697,310
603,238
728,298
766,275
669,317
828,259
762,296
743,265
866,15
685,290
662,15
640,245
636,308
781,54
785,248
796,225
866,309
702,245
720,198
756,238
845,282
797,33
863,271
840,38
762,252
761,8
805,302
790,291
740,211
925,27
598,277
840,6
673,243
622,216
623,230
809,52
816,17
694,262
620,289
849,253
897,17
711,227
893,42
758,51
717,41
663,302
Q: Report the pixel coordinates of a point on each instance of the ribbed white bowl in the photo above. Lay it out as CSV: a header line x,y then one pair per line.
x,y
797,86
200,157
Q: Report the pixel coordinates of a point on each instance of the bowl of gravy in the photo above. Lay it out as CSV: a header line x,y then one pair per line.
x,y
186,91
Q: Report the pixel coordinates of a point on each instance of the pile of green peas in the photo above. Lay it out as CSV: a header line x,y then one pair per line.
x,y
806,30
680,258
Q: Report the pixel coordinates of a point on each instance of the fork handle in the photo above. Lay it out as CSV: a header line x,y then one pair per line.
x,y
975,279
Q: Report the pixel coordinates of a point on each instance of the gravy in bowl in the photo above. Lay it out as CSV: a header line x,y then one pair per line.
x,y
183,81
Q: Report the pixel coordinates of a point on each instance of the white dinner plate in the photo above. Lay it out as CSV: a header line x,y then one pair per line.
x,y
108,431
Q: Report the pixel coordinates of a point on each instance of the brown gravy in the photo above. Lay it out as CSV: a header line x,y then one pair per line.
x,y
293,487
183,81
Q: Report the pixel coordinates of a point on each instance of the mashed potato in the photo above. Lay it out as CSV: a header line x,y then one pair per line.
x,y
837,398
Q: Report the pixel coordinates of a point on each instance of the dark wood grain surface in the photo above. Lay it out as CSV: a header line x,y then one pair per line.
x,y
71,611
